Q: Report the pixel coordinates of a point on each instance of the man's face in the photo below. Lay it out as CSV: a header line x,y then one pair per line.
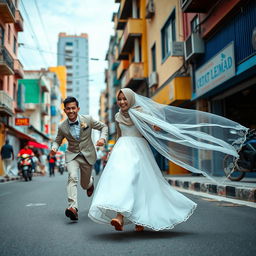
x,y
71,111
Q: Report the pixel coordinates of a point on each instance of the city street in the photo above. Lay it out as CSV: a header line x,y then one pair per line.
x,y
33,223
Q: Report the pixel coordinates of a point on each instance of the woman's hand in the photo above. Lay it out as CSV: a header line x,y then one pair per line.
x,y
156,128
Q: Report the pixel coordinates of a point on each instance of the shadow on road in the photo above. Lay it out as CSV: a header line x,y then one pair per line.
x,y
145,235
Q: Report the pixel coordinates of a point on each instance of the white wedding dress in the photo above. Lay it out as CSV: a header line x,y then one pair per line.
x,y
132,184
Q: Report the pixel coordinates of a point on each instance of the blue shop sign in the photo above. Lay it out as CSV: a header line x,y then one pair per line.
x,y
216,71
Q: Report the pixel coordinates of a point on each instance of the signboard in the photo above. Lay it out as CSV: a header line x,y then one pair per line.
x,y
216,71
177,49
21,121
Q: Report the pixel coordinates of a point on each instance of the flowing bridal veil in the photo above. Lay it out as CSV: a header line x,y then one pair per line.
x,y
195,140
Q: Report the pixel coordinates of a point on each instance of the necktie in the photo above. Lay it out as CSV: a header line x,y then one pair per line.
x,y
75,123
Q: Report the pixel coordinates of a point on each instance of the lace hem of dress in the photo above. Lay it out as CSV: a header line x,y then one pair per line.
x,y
125,213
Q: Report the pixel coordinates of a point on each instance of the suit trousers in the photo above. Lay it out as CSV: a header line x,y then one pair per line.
x,y
73,167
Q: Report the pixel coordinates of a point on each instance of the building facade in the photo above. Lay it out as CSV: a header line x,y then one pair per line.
x,y
73,54
11,69
220,51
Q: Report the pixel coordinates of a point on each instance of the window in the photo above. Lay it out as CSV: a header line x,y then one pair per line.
x,y
9,33
195,25
69,43
14,45
1,36
168,35
153,56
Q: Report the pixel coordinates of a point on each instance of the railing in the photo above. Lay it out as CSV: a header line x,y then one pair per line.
x,y
5,57
6,101
18,68
10,5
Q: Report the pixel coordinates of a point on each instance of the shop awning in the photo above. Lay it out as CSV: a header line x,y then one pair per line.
x,y
37,145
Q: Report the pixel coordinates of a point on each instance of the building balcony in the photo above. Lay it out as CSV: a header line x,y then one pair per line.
x,y
175,93
7,11
6,62
44,85
44,109
6,104
125,9
116,82
196,6
18,21
31,106
119,23
18,69
123,66
120,55
133,29
133,76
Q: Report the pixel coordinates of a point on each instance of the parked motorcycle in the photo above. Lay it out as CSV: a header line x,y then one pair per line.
x,y
25,164
247,158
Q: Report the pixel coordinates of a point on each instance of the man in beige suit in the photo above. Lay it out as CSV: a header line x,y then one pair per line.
x,y
80,154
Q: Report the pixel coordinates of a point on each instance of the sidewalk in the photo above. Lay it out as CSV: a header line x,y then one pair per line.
x,y
243,190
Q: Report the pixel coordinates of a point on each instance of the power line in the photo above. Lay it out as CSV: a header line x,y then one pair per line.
x,y
55,53
42,23
34,34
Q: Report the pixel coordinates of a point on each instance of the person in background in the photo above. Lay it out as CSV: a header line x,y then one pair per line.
x,y
52,161
7,157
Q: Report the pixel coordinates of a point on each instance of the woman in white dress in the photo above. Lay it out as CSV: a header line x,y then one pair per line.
x,y
131,188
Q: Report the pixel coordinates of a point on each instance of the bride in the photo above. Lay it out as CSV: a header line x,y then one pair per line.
x,y
131,188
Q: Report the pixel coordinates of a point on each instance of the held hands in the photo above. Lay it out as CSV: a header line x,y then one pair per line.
x,y
156,128
100,143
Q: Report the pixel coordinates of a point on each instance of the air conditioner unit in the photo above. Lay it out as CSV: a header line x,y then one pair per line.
x,y
153,79
194,46
150,9
177,49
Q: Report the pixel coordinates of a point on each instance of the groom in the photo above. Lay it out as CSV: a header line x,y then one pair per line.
x,y
80,154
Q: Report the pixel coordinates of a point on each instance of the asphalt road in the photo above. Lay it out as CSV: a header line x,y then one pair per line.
x,y
32,222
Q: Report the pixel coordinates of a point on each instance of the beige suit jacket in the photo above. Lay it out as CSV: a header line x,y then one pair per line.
x,y
84,144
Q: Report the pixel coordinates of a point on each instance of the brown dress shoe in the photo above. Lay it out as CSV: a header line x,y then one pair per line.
x,y
90,189
72,213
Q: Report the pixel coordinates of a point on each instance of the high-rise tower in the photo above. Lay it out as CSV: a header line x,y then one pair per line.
x,y
73,53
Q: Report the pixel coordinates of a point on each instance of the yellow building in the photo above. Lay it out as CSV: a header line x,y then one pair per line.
x,y
61,73
131,49
168,80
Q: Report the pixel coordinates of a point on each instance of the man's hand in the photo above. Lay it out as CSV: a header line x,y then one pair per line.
x,y
156,128
53,152
100,143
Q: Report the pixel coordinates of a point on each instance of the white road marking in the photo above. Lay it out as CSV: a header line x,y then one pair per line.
x,y
218,198
35,205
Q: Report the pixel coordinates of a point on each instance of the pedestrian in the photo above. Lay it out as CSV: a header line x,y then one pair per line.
x,y
80,154
42,159
97,165
132,189
7,156
52,161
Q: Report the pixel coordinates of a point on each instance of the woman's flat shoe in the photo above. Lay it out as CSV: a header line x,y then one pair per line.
x,y
117,224
139,228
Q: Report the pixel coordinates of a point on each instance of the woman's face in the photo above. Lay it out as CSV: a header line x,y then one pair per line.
x,y
122,102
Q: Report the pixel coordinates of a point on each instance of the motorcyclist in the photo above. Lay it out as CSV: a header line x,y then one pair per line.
x,y
28,151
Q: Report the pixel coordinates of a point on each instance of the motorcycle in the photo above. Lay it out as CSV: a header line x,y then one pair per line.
x,y
62,166
247,158
25,164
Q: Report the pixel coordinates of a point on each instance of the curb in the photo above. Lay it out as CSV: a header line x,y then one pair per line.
x,y
241,193
2,180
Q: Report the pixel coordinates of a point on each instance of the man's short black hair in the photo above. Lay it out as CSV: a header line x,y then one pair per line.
x,y
70,99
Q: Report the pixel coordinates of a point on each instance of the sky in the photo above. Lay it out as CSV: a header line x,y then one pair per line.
x,y
44,19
